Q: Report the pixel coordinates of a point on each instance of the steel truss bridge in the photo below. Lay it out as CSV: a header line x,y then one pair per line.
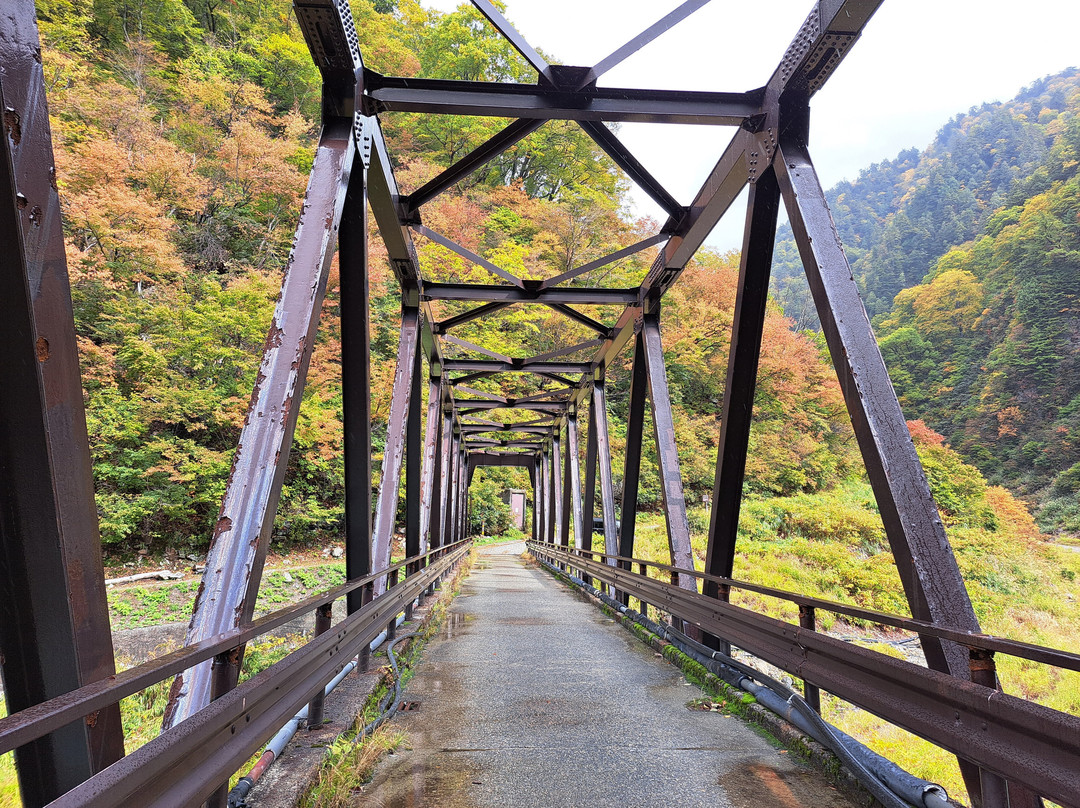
x,y
57,655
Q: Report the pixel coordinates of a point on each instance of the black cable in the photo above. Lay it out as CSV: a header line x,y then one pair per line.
x,y
386,713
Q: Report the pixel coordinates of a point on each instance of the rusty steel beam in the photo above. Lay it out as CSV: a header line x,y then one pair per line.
x,y
535,105
751,298
638,174
469,255
588,507
356,375
611,258
54,622
513,366
557,500
573,472
396,441
477,158
429,486
671,487
924,560
932,581
468,316
503,26
520,460
440,481
575,295
603,457
242,532
414,452
471,346
635,431
662,25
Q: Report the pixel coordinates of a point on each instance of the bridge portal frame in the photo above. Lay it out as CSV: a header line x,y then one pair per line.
x,y
353,171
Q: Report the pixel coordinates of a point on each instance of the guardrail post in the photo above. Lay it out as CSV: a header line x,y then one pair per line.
x,y
391,627
367,593
643,570
995,789
808,620
323,617
224,674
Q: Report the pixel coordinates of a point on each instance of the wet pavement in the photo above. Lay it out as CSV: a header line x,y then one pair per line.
x,y
533,697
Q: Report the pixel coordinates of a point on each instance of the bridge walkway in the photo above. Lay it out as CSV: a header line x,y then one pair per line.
x,y
533,697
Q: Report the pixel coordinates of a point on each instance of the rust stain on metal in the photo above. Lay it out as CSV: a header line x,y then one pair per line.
x,y
21,201
224,524
91,720
42,349
13,125
273,337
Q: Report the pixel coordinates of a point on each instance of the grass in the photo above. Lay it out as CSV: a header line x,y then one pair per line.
x,y
141,713
9,784
141,605
354,765
349,765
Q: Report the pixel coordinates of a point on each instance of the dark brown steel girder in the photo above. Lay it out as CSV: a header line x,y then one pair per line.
x,y
54,622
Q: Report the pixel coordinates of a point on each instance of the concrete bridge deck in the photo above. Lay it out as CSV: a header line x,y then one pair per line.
x,y
533,697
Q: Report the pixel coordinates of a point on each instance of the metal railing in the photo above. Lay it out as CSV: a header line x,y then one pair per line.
x,y
1021,740
189,763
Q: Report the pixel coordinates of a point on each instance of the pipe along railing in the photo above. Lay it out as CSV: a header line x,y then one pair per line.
x,y
192,761
1021,740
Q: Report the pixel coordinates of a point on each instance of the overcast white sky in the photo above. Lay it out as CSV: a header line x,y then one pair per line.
x,y
918,63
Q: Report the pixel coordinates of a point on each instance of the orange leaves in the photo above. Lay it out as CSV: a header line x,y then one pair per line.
x,y
922,434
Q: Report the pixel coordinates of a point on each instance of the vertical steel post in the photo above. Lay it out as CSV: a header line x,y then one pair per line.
x,y
386,504
545,483
603,459
588,506
356,378
391,627
808,620
447,473
635,427
556,487
54,622
667,452
455,485
323,617
574,473
534,475
747,326
414,451
224,673
429,486
440,503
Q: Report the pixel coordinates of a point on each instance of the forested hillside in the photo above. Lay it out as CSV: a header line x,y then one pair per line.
x,y
967,255
184,133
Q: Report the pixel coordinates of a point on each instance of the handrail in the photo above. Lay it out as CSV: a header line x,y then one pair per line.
x,y
985,642
1028,743
41,719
